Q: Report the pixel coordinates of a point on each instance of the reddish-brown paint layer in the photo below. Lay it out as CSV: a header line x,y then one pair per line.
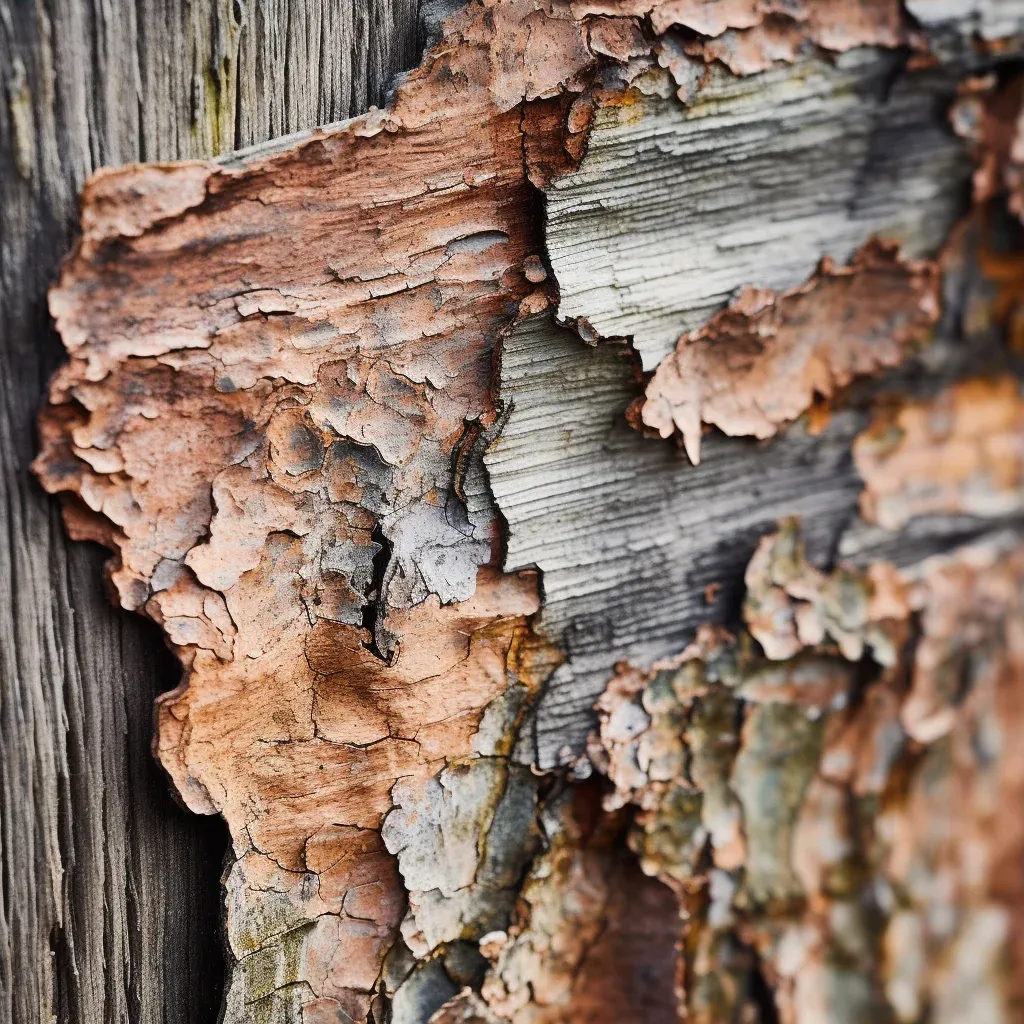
x,y
760,363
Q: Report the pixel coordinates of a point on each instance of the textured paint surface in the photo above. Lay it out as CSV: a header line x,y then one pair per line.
x,y
762,362
320,558
319,406
834,822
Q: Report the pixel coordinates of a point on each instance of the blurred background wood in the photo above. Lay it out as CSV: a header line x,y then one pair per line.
x,y
110,904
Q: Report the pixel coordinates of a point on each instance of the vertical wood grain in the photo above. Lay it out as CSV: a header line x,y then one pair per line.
x,y
110,893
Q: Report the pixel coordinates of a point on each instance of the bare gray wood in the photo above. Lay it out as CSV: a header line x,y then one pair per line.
x,y
110,904
629,535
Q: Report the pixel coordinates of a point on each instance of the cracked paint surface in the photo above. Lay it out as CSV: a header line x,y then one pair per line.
x,y
282,382
322,554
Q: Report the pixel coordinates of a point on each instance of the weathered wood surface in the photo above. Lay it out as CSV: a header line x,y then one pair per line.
x,y
990,19
627,534
752,185
111,893
344,345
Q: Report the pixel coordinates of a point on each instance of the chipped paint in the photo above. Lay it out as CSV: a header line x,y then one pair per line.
x,y
322,556
808,811
761,362
726,218
961,451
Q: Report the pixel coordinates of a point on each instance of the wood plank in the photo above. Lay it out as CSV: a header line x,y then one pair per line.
x,y
111,906
304,723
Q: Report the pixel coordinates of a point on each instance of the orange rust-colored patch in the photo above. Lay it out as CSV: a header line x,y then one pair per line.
x,y
990,116
961,452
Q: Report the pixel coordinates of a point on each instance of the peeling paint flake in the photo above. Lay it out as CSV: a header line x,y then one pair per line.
x,y
846,848
275,410
675,206
961,452
763,361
